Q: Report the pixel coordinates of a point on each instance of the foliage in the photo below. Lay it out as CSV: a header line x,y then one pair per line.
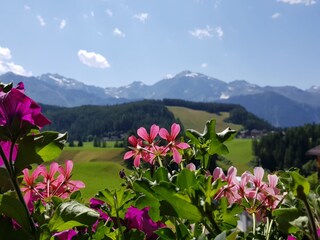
x,y
287,148
171,194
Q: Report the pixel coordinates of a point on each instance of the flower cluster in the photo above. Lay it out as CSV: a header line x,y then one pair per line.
x,y
148,149
42,184
259,196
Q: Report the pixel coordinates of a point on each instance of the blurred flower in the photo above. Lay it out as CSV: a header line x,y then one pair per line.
x,y
19,112
139,219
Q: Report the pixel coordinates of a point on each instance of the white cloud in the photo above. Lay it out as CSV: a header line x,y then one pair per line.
x,y
276,15
92,13
142,17
5,53
109,12
27,8
93,59
41,20
219,32
305,2
6,64
204,65
118,33
202,33
63,23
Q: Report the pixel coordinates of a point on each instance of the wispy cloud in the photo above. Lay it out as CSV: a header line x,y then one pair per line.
x,y
117,32
305,2
202,33
93,59
5,53
63,24
109,12
275,15
219,32
27,8
7,65
204,65
92,13
41,21
142,17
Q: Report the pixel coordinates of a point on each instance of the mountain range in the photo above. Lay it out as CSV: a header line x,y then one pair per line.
x,y
284,106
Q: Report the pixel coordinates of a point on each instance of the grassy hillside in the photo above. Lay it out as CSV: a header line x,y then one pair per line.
x,y
196,119
240,154
98,168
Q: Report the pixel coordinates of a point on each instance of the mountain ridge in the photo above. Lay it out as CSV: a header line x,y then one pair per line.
x,y
293,107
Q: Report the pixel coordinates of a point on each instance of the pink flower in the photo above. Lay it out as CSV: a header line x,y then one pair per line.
x,y
191,167
30,190
230,191
173,145
6,147
17,108
66,184
137,150
154,130
139,219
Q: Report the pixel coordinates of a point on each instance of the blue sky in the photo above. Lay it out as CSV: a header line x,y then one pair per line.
x,y
115,42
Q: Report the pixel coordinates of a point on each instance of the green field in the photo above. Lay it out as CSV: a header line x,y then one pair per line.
x,y
99,168
240,154
196,119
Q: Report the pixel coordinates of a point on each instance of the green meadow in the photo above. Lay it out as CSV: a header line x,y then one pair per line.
x,y
99,168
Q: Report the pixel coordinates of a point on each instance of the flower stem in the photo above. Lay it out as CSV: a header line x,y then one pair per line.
x,y
254,224
13,179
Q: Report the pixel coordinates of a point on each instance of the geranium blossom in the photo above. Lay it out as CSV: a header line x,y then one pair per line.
x,y
136,152
154,130
42,184
173,145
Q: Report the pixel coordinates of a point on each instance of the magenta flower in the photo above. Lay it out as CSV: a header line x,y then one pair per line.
x,y
139,219
154,130
173,145
65,235
6,146
17,108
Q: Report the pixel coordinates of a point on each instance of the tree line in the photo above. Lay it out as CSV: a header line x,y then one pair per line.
x,y
287,148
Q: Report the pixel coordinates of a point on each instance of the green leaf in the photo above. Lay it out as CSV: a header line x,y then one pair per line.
x,y
161,174
38,148
283,218
174,204
228,216
148,199
13,208
7,231
118,200
186,179
5,183
165,234
299,184
72,214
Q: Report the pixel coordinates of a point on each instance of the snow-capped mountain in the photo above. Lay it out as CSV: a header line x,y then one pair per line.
x,y
281,106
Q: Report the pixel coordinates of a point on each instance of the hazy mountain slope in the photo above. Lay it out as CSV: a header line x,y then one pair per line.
x,y
278,110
